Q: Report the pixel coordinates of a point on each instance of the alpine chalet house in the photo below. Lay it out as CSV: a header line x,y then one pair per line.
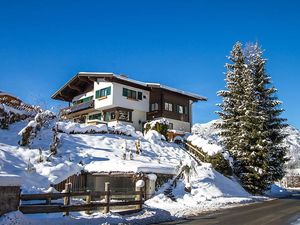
x,y
108,98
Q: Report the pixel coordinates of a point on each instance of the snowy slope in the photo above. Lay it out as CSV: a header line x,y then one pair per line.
x,y
89,152
104,153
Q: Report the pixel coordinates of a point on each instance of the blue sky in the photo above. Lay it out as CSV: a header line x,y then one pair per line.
x,y
182,44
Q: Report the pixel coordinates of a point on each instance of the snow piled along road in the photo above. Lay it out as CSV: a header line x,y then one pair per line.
x,y
104,153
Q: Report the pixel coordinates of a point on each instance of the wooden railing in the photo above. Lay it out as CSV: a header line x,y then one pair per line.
x,y
195,151
53,207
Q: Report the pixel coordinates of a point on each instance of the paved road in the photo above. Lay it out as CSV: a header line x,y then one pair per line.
x,y
276,212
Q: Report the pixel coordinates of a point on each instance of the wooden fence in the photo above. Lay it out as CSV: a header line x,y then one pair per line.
x,y
89,203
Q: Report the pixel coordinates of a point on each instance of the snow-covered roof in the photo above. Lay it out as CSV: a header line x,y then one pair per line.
x,y
92,76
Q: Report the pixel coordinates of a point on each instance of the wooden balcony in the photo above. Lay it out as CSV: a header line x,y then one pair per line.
x,y
77,108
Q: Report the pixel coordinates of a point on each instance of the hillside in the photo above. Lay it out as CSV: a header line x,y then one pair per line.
x,y
103,152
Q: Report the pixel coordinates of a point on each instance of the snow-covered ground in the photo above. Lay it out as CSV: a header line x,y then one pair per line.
x,y
104,152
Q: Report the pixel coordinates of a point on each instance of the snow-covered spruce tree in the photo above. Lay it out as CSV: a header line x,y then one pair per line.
x,y
251,125
270,136
233,102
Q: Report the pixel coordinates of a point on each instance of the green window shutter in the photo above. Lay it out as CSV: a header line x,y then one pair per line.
x,y
97,93
140,96
108,91
125,92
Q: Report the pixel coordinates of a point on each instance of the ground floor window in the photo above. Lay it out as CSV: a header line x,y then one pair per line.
x,y
80,119
121,114
97,116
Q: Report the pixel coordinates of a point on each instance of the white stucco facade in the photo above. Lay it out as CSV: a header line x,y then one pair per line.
x,y
115,98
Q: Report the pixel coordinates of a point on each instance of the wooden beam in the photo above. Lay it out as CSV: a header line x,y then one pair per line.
x,y
75,88
84,79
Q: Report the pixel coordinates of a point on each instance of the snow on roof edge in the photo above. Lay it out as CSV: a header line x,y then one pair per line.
x,y
145,84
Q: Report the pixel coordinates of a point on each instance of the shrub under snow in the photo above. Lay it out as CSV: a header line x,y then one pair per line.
x,y
159,125
79,128
154,137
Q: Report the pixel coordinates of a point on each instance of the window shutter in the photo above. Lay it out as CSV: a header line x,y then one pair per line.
x,y
108,91
125,92
97,93
140,95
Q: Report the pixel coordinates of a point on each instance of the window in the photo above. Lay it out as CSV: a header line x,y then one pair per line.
x,y
168,106
87,99
140,95
95,116
132,94
108,116
179,109
118,114
154,107
124,115
103,92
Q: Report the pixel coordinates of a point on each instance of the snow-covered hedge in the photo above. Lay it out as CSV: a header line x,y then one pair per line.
x,y
79,128
154,137
159,125
123,129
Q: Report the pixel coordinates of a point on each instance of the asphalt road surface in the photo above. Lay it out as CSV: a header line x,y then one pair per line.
x,y
275,212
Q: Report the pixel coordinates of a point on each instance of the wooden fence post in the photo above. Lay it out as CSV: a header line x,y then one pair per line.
x,y
88,201
107,197
139,197
67,199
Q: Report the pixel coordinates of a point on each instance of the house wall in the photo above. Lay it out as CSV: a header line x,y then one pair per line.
x,y
120,100
106,102
180,125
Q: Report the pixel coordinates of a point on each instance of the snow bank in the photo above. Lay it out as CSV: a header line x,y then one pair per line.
x,y
10,180
146,216
79,128
209,148
210,190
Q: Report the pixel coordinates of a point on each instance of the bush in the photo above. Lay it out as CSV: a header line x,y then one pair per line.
x,y
161,126
220,164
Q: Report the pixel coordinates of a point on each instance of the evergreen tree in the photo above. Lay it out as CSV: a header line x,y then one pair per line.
x,y
271,134
251,127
